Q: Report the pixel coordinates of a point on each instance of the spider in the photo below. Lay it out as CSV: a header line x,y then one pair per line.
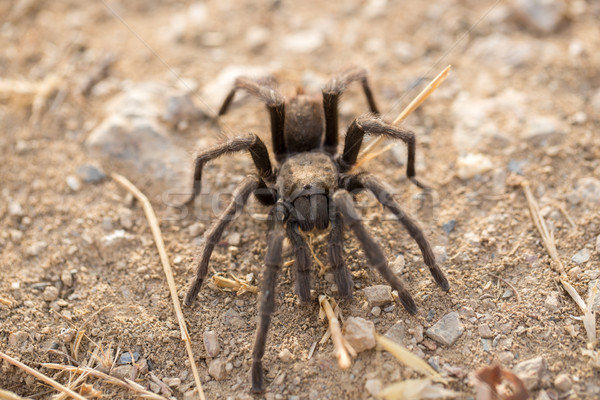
x,y
309,189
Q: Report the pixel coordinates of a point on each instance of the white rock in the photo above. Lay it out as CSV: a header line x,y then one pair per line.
x,y
543,15
498,50
398,264
73,183
15,209
50,293
360,333
563,383
303,42
66,278
373,386
472,164
285,355
216,369
544,130
440,254
257,36
36,248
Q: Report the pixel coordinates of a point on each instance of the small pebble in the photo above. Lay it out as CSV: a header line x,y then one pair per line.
x,y
216,369
472,164
588,189
234,239
396,333
563,383
107,223
389,309
73,183
507,294
598,244
286,356
90,173
36,248
126,357
552,301
16,236
373,386
378,295
485,331
17,338
581,256
125,217
506,357
211,343
66,278
376,311
447,330
543,15
531,372
398,265
448,227
195,229
303,42
440,254
123,371
360,333
15,209
154,388
50,293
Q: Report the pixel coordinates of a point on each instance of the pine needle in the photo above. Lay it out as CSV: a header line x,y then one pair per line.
x,y
155,227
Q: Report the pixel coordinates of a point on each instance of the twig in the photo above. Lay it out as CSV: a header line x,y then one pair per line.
x,y
41,376
341,352
236,284
5,302
125,384
509,284
154,226
417,101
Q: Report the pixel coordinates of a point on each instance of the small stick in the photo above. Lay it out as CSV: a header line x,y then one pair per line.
x,y
509,284
6,395
155,227
41,376
236,284
417,101
341,353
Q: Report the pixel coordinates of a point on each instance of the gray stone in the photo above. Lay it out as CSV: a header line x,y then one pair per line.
x,y
378,295
195,229
125,217
66,278
376,311
216,369
181,110
15,339
563,383
588,189
498,50
552,301
124,371
211,343
396,333
485,331
107,223
233,318
532,372
360,333
440,254
544,130
132,133
447,330
90,173
581,256
543,15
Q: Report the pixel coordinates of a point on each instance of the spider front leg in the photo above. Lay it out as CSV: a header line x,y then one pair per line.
x,y
331,95
335,252
251,143
375,126
374,253
275,103
251,183
273,261
302,255
370,182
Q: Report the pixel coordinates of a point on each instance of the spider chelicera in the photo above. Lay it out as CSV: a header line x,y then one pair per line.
x,y
309,189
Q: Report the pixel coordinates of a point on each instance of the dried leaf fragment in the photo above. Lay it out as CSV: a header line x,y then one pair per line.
x,y
488,384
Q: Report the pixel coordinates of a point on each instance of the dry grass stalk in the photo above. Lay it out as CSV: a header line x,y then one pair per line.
x,y
514,289
41,376
125,384
238,285
6,395
407,358
540,224
339,343
417,101
589,316
155,228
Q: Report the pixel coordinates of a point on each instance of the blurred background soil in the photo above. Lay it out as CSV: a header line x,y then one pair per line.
x,y
94,87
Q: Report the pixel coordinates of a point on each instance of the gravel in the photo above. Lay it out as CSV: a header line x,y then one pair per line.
x,y
378,295
447,330
360,333
581,256
532,372
211,343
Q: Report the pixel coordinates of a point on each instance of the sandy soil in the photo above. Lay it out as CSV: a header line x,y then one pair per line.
x,y
54,237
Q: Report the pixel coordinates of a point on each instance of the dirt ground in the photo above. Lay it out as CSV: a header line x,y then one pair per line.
x,y
506,74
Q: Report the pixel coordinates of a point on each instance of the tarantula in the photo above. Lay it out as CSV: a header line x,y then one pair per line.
x,y
309,189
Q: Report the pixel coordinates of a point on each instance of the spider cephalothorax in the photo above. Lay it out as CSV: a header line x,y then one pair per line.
x,y
310,189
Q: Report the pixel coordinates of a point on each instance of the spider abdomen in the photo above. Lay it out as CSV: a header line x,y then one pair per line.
x,y
305,182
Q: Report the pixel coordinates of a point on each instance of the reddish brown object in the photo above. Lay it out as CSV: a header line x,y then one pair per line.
x,y
489,378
